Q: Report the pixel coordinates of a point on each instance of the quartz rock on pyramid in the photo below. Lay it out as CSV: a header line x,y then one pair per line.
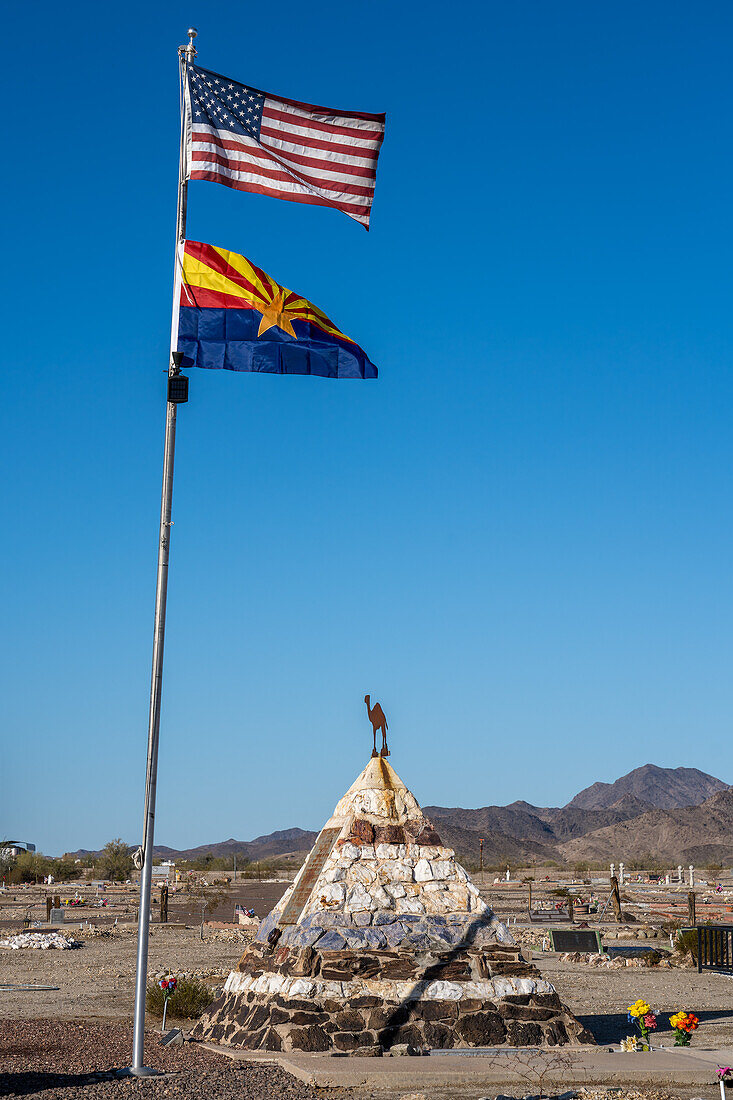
x,y
383,939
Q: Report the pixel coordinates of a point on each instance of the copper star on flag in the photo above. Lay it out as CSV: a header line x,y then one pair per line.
x,y
275,315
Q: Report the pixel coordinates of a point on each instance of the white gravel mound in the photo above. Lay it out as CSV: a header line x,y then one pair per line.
x,y
39,941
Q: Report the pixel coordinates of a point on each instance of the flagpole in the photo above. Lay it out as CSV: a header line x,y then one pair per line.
x,y
177,393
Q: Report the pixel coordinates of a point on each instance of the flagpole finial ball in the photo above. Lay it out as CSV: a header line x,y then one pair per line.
x,y
192,32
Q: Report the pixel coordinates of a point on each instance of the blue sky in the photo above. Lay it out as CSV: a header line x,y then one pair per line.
x,y
519,539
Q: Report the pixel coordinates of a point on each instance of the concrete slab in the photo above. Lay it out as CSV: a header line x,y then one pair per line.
x,y
479,1072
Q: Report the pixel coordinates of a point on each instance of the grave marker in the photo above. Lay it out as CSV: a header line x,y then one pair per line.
x,y
577,939
319,853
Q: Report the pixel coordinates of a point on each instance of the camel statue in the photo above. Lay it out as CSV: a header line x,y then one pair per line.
x,y
379,722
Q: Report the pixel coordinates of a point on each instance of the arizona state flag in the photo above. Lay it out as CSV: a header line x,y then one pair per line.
x,y
234,317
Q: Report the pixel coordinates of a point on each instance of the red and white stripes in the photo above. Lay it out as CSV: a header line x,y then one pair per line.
x,y
304,154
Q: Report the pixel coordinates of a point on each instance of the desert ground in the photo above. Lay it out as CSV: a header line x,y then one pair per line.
x,y
93,985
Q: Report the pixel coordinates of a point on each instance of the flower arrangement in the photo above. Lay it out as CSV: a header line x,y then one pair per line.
x,y
645,1019
684,1023
168,985
725,1077
630,1043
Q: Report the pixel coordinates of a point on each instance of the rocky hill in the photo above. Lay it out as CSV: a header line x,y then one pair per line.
x,y
629,819
691,834
674,815
665,788
283,843
519,831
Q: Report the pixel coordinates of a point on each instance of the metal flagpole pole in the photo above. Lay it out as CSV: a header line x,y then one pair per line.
x,y
177,394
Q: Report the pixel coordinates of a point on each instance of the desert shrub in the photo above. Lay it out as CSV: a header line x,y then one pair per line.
x,y
115,862
559,892
30,867
653,958
64,870
686,943
190,1000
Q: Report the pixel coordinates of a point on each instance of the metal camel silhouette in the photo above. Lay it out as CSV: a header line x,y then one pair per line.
x,y
379,722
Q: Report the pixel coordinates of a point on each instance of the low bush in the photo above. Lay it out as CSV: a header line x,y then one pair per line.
x,y
686,943
190,1000
653,958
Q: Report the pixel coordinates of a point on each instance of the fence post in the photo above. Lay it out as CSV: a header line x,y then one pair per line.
x,y
691,907
616,900
699,949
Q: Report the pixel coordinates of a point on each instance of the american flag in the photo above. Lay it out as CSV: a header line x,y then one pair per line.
x,y
253,141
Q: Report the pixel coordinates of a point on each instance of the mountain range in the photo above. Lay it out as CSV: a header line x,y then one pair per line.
x,y
673,815
665,788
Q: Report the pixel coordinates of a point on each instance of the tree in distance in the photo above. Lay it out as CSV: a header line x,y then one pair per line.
x,y
33,866
115,862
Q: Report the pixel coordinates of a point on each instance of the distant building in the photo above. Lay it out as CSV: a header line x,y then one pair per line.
x,y
11,849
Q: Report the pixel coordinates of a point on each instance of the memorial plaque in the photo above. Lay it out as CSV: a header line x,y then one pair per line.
x,y
577,939
56,916
320,852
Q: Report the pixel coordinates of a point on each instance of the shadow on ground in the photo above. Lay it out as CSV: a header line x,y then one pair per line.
x,y
612,1027
26,1083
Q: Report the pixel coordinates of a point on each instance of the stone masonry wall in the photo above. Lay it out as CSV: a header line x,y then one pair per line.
x,y
367,1001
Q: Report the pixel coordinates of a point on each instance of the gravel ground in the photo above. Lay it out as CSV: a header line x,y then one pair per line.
x,y
600,998
72,1060
98,980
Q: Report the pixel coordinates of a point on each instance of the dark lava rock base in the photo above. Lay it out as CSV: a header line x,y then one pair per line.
x,y
368,1025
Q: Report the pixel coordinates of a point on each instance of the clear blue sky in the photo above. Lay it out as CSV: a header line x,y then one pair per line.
x,y
519,539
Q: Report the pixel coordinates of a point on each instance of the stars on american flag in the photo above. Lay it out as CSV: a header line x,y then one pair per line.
x,y
255,141
234,104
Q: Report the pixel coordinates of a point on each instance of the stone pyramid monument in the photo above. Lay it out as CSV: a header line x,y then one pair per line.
x,y
381,940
